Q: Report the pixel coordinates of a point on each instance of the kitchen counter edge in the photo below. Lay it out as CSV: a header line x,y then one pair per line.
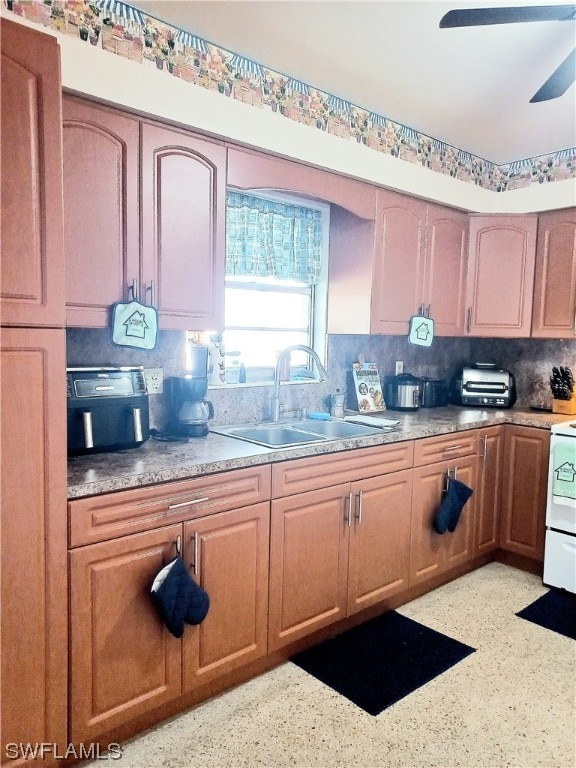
x,y
159,462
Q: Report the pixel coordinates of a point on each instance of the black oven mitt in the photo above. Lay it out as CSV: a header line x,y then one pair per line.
x,y
178,597
448,514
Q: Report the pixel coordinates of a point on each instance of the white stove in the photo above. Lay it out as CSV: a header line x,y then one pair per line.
x,y
560,546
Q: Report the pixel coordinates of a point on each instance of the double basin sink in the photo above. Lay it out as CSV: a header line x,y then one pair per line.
x,y
275,435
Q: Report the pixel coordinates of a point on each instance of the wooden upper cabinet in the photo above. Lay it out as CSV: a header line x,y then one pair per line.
x,y
101,221
256,170
554,310
445,272
501,257
183,220
398,262
32,274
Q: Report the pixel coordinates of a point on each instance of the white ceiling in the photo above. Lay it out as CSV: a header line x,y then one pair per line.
x,y
469,87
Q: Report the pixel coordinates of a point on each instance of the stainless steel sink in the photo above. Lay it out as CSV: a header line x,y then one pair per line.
x,y
339,430
296,433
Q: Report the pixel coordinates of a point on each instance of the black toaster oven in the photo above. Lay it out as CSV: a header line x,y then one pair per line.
x,y
107,409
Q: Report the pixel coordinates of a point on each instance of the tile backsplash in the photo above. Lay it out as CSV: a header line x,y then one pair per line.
x,y
530,360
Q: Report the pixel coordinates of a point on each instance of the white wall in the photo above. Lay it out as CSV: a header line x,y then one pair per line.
x,y
101,75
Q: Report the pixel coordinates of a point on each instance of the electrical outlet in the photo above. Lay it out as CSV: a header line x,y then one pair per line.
x,y
399,367
154,380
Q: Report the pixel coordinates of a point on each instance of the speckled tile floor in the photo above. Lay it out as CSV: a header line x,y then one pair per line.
x,y
510,704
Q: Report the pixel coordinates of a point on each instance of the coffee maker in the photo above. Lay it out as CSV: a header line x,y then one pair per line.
x,y
189,410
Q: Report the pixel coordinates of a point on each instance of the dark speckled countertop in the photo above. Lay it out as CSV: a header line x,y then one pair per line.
x,y
158,462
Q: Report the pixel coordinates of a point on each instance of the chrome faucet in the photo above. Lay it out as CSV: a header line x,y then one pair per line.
x,y
276,392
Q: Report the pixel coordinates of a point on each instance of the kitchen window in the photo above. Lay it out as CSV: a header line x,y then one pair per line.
x,y
276,283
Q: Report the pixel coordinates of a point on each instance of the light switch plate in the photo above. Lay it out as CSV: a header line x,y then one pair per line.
x,y
399,367
154,380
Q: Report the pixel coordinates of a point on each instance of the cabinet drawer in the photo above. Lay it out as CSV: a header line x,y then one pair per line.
x,y
111,515
309,474
443,447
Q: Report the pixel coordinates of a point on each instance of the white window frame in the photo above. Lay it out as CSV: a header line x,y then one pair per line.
x,y
319,292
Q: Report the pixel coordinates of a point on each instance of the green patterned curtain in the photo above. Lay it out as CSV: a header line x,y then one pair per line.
x,y
269,239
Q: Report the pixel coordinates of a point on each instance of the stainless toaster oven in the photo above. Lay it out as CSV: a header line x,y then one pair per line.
x,y
485,385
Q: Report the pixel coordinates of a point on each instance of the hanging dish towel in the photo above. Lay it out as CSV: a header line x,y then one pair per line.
x,y
134,325
448,515
178,597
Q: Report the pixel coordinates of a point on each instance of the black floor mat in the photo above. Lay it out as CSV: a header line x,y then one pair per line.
x,y
556,610
379,662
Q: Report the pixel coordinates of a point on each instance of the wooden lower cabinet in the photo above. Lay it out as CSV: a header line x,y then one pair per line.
x,y
336,551
379,539
488,489
124,662
228,554
524,487
33,596
431,553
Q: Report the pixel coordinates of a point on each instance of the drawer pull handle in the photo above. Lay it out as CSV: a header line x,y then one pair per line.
x,y
189,503
453,447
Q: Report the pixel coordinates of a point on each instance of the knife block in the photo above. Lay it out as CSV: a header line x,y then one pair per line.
x,y
567,407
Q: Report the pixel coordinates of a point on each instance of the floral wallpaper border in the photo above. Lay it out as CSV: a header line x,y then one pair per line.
x,y
119,28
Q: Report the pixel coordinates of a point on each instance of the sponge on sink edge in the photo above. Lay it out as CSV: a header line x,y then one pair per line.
x,y
319,415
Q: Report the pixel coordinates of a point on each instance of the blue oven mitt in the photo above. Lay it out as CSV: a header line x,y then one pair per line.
x,y
178,597
448,514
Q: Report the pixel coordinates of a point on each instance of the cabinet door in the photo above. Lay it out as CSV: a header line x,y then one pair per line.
x,y
308,563
32,271
501,256
34,596
183,218
101,223
398,262
460,543
379,539
445,275
124,662
228,555
488,489
432,553
524,486
554,312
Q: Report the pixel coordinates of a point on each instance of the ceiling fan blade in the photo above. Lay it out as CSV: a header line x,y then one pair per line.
x,y
559,81
472,17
